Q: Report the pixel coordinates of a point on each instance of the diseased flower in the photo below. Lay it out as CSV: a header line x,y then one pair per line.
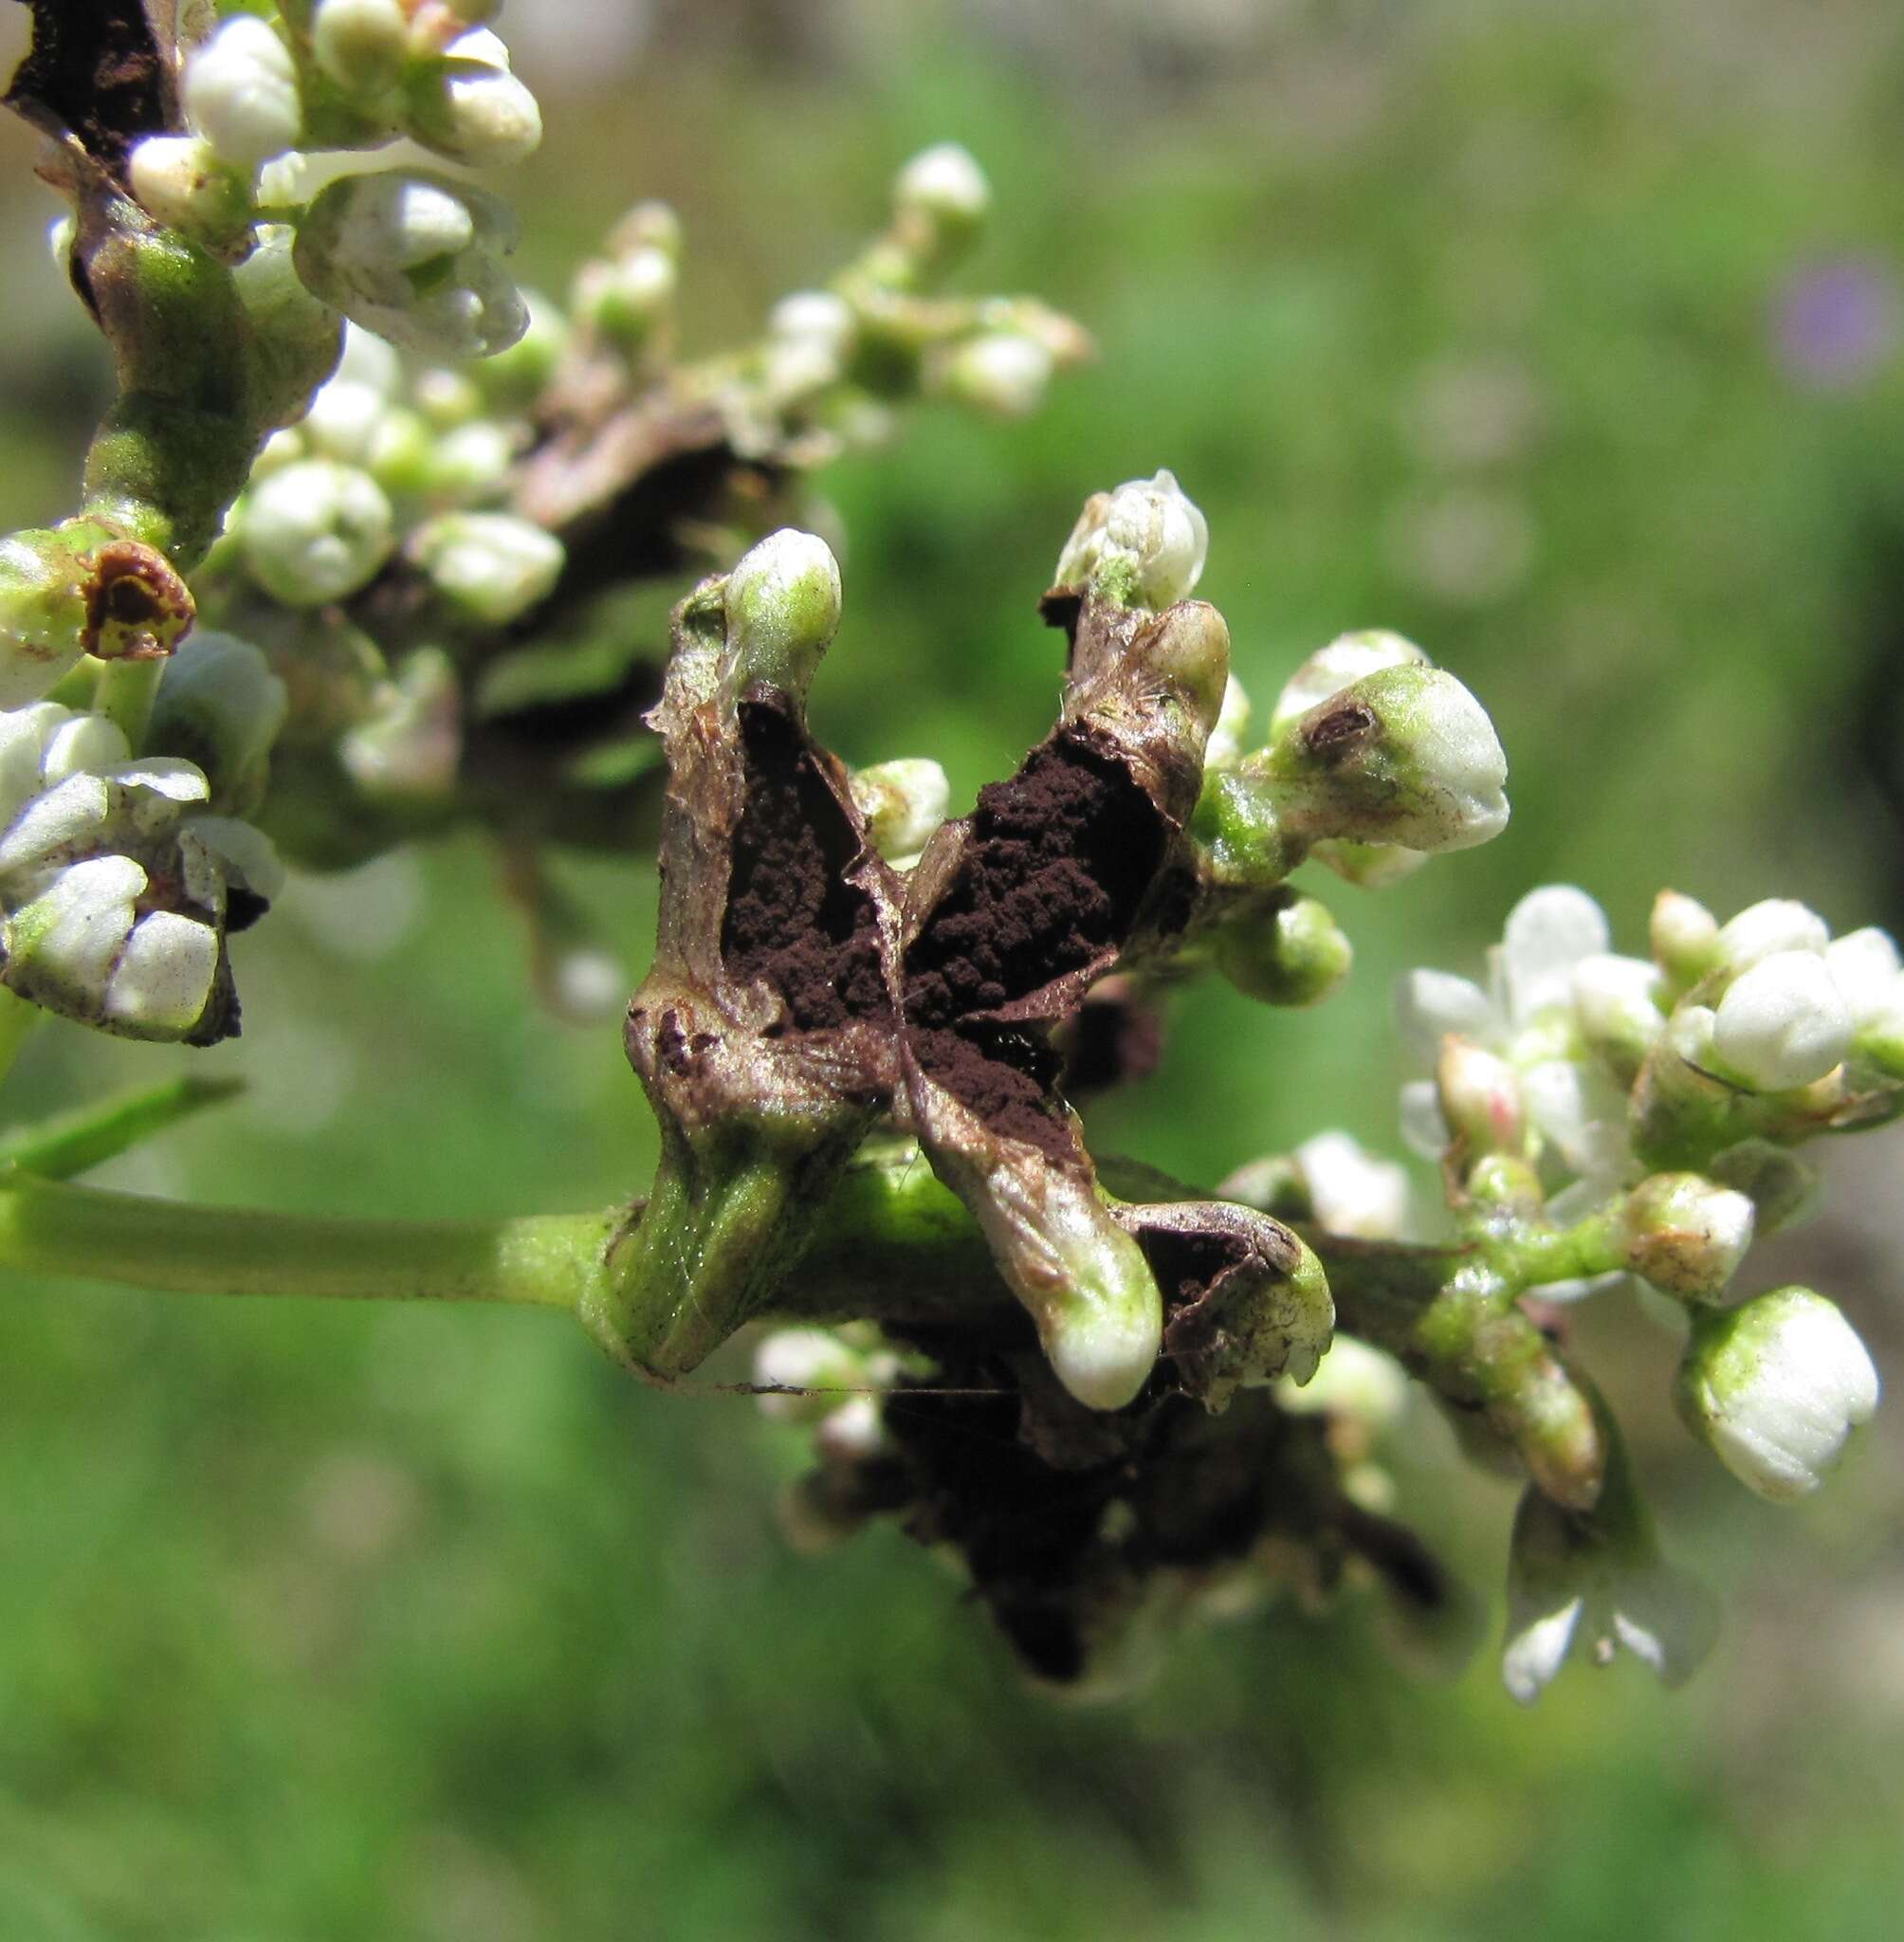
x,y
114,897
1776,1387
416,258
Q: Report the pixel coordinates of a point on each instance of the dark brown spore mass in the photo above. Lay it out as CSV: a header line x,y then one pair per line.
x,y
793,920
1056,864
96,67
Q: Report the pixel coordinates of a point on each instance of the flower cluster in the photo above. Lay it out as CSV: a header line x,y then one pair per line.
x,y
410,252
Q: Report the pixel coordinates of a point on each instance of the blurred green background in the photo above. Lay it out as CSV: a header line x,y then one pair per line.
x,y
1564,338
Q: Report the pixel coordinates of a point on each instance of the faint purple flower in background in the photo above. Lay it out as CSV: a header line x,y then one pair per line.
x,y
1837,321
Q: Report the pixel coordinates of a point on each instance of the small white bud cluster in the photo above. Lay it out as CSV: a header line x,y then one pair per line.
x,y
1774,1003
355,74
113,893
626,296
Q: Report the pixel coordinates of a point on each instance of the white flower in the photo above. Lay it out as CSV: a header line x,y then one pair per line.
x,y
315,532
1330,670
1776,1387
1864,966
489,564
1616,1003
1782,1023
805,1358
946,184
1147,540
1600,1579
242,89
415,258
1354,1194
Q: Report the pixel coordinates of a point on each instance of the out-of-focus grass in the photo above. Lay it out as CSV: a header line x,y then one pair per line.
x,y
320,1622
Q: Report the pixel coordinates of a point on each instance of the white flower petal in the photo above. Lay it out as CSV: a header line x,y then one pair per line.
x,y
1423,1129
1431,1004
1353,1192
1865,967
1547,933
1778,924
164,975
1782,1023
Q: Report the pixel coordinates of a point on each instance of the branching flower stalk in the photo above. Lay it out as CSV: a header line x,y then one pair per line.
x,y
362,553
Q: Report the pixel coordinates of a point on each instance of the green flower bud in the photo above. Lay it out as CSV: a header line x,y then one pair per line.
x,y
409,751
415,258
490,564
623,298
1291,952
43,613
1776,1387
1405,755
1685,1234
782,606
315,532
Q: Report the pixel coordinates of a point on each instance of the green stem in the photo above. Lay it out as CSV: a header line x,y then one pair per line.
x,y
124,693
17,1021
542,1262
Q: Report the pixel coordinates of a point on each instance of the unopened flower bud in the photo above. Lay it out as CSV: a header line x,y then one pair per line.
x,y
1776,1387
1143,544
1404,756
1616,1005
1292,953
343,421
624,297
184,183
783,608
362,44
1865,967
491,565
1100,1316
415,258
1762,930
1330,670
473,110
514,378
242,89
817,317
472,461
1686,1234
1683,933
315,532
947,188
1002,373
1480,1098
903,803
1782,1023
43,613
